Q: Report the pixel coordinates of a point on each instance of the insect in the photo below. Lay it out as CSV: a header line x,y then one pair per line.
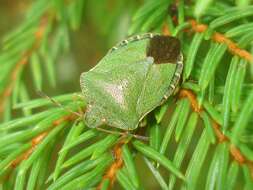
x,y
132,79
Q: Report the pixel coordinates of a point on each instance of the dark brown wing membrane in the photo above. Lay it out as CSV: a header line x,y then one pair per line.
x,y
164,49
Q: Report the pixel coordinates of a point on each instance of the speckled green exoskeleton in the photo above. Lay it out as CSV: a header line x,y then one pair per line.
x,y
134,77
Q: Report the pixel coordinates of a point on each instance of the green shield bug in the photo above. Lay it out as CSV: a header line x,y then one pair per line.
x,y
133,78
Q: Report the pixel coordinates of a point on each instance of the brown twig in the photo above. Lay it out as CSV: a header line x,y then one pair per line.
x,y
38,139
34,142
116,165
186,93
221,38
232,46
221,137
235,152
198,27
216,37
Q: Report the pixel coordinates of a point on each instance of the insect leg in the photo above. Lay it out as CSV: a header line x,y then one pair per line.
x,y
143,138
123,134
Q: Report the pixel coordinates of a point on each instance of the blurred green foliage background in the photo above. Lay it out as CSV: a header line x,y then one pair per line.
x,y
104,23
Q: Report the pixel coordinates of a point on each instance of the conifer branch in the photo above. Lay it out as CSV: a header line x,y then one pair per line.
x,y
116,165
235,152
203,131
38,35
220,38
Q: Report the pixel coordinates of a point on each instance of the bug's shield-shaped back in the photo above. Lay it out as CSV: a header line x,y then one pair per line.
x,y
124,87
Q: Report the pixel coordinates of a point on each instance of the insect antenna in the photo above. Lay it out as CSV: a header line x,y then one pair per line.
x,y
55,102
